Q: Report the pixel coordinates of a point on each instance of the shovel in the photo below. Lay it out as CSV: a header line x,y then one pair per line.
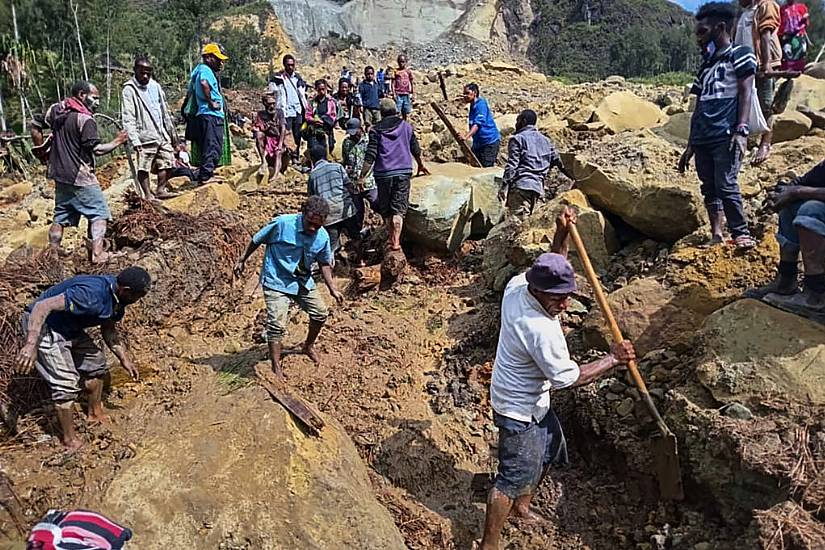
x,y
665,451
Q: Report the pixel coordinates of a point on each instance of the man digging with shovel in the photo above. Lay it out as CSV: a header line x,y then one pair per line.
x,y
531,358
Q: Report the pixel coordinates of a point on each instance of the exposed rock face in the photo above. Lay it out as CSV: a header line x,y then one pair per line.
x,y
237,468
639,183
449,205
754,352
621,111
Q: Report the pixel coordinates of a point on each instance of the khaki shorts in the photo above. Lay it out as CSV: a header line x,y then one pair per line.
x,y
155,157
521,202
371,116
277,310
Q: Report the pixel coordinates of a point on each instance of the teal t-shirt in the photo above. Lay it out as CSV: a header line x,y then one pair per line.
x,y
203,72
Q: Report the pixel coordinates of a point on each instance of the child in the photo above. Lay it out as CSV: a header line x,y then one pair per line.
x,y
403,87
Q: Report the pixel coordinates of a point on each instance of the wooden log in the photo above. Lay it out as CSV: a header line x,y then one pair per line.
x,y
468,153
443,85
299,407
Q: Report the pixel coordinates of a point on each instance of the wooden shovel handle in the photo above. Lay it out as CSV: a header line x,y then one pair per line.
x,y
616,332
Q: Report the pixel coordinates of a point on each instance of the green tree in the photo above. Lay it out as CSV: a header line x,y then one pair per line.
x,y
638,53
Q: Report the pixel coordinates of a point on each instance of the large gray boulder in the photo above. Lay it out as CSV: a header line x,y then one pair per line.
x,y
451,204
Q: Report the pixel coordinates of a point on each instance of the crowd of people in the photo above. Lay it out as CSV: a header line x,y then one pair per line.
x,y
379,156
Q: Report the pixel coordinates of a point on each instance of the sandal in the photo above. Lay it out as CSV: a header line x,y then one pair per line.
x,y
744,242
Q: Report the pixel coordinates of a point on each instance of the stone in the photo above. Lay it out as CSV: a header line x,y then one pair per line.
x,y
501,66
754,352
617,386
648,314
816,70
206,197
674,109
514,244
790,125
35,237
15,192
506,125
312,492
614,79
580,116
447,206
807,91
625,407
622,111
737,411
817,117
643,188
589,127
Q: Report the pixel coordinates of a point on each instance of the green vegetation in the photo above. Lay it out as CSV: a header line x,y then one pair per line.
x,y
170,32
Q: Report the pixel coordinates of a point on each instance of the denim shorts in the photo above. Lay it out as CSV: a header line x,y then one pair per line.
x,y
808,215
403,104
525,451
73,201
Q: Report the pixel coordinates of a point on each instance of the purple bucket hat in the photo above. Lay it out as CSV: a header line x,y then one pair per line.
x,y
553,274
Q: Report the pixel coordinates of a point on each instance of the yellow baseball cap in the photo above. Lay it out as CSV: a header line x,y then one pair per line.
x,y
215,50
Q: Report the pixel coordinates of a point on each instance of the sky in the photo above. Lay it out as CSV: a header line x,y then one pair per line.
x,y
689,5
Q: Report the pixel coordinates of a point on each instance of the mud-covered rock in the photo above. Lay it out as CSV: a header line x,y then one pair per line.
x,y
790,125
514,244
755,352
448,205
638,182
621,111
226,477
650,315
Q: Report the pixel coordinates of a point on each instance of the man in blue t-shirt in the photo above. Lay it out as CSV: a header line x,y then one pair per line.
x,y
64,354
719,126
294,242
209,121
483,129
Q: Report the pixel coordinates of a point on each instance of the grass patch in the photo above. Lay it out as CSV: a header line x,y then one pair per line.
x,y
665,79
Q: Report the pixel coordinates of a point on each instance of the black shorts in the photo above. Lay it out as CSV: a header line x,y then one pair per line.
x,y
393,195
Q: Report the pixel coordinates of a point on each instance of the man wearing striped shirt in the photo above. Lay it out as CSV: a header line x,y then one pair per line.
x,y
719,126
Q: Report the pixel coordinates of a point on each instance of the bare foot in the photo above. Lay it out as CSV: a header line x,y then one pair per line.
x,y
97,417
310,352
279,374
163,195
72,445
761,155
104,257
527,515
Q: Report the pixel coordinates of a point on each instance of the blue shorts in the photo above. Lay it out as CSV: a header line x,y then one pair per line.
x,y
403,104
525,451
73,201
808,215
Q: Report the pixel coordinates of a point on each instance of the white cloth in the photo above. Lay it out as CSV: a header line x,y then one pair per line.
x,y
744,28
531,358
291,96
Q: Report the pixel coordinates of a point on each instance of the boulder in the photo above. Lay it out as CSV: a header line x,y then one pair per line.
x,y
676,130
753,353
207,197
15,192
650,315
580,116
626,111
807,91
448,205
816,70
506,125
501,66
615,79
35,237
790,125
514,244
261,484
635,178
817,117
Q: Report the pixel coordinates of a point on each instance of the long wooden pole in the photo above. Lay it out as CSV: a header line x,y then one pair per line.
x,y
468,153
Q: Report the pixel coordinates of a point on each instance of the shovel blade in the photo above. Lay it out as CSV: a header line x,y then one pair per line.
x,y
668,471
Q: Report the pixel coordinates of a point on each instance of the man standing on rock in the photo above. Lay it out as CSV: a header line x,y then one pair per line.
x,y
371,93
402,87
64,354
532,357
209,130
758,28
483,129
390,152
294,242
293,100
719,125
801,207
530,156
74,145
150,128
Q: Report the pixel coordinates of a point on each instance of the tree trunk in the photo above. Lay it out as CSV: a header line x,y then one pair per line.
x,y
2,114
74,7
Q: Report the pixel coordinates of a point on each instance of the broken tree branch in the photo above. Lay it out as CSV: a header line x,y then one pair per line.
x,y
468,153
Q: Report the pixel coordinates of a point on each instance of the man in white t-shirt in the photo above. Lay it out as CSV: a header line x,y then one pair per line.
x,y
532,358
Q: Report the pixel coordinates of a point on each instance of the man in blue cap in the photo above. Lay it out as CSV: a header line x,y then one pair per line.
x,y
532,358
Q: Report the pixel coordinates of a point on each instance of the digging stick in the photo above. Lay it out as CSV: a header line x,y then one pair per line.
x,y
468,153
443,86
665,452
